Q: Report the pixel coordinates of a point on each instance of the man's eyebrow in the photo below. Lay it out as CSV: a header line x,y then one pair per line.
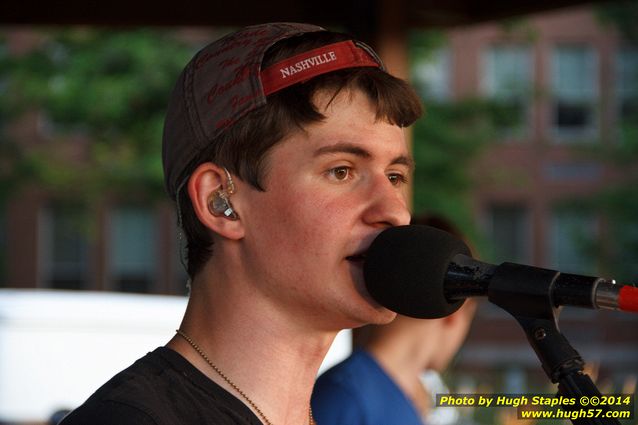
x,y
404,160
342,148
360,152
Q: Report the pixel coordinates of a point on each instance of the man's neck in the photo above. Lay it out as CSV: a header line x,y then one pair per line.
x,y
272,358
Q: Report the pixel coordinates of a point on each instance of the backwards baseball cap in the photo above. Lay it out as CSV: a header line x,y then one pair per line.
x,y
225,80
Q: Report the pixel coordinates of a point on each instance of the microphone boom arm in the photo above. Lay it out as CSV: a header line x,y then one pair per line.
x,y
538,316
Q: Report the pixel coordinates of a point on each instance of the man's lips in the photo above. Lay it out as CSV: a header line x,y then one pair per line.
x,y
361,249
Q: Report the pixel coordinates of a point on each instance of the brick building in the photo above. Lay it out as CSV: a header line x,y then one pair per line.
x,y
571,81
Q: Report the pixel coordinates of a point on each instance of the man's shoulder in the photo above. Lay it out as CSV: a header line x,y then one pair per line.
x,y
160,388
130,397
103,412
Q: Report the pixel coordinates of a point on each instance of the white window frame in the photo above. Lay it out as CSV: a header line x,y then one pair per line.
x,y
110,223
45,246
591,220
489,87
620,91
526,229
589,133
439,65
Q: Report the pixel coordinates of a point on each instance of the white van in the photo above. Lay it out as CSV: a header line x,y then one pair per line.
x,y
57,347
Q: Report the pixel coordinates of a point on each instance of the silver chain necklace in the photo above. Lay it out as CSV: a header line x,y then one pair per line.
x,y
231,383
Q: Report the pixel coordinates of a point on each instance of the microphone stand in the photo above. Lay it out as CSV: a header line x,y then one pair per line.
x,y
529,301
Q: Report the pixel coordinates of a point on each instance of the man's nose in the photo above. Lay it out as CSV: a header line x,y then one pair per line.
x,y
388,204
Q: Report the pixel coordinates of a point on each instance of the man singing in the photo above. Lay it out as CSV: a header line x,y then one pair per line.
x,y
284,150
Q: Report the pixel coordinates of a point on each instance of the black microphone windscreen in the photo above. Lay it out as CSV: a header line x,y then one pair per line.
x,y
405,270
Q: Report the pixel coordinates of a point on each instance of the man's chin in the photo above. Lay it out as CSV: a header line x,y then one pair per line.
x,y
375,320
383,317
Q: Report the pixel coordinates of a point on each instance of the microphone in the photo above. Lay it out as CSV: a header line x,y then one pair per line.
x,y
424,272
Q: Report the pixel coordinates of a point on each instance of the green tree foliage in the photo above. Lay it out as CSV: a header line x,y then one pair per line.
x,y
100,97
447,141
621,15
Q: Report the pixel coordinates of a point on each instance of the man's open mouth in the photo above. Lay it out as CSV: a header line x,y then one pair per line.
x,y
356,258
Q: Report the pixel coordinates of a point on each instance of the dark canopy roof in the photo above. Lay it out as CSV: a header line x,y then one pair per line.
x,y
355,15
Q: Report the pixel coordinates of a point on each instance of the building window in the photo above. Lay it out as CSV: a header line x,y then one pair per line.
x,y
431,74
574,93
627,94
64,254
571,239
132,232
507,80
573,171
509,233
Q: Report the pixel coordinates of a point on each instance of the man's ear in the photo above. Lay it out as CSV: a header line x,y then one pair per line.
x,y
207,183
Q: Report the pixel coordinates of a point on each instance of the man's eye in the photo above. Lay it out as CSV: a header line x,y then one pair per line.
x,y
339,173
397,179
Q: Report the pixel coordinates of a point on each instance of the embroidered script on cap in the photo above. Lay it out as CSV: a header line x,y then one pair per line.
x,y
287,71
304,66
224,76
